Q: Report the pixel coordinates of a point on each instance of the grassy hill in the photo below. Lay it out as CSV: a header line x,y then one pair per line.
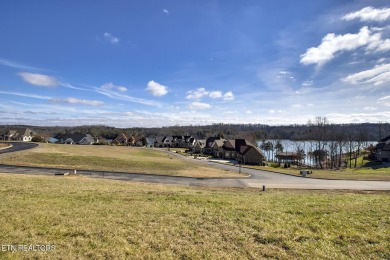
x,y
94,218
112,158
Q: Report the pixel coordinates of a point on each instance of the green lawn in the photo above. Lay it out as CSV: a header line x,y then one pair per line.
x,y
94,218
112,158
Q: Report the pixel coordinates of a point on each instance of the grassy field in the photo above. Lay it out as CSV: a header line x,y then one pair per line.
x,y
4,145
94,218
111,158
363,173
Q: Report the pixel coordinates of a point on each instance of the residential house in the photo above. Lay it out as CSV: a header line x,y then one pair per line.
x,y
383,150
159,141
217,148
250,154
198,146
124,139
168,141
22,135
287,157
229,149
209,143
139,141
78,138
183,141
150,141
238,149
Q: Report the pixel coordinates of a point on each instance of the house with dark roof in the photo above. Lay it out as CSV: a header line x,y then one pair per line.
x,y
77,138
250,155
383,150
238,149
208,149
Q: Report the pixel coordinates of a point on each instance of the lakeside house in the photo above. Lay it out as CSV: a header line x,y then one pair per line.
x,y
240,150
383,150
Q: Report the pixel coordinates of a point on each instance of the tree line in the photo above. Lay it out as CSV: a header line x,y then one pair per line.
x,y
253,132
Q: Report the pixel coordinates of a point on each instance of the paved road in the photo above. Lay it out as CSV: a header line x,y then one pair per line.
x,y
256,180
17,146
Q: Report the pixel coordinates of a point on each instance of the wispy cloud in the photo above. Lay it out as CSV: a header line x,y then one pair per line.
x,y
13,64
156,89
76,101
199,93
110,86
378,75
165,11
26,95
199,105
38,79
110,38
369,14
384,101
121,96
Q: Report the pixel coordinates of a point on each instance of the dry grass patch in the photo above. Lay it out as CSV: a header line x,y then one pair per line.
x,y
364,173
4,145
94,218
112,158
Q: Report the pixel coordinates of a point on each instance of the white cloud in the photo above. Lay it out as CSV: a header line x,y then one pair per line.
x,y
308,83
339,118
110,86
297,106
384,101
332,44
202,92
369,108
197,94
378,75
199,105
228,96
75,101
156,89
25,95
124,97
369,14
39,79
110,38
165,11
215,94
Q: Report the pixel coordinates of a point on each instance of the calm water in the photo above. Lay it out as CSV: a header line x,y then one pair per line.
x,y
307,146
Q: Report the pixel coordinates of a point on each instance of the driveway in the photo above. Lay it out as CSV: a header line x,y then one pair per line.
x,y
257,178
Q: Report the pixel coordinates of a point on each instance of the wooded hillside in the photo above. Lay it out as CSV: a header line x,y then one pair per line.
x,y
368,131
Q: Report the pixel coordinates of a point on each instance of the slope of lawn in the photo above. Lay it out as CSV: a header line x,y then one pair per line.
x,y
111,158
93,218
369,171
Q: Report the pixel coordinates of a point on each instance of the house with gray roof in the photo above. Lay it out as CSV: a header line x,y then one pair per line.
x,y
77,138
21,135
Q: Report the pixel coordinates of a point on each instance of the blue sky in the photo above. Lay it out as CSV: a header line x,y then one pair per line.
x,y
161,63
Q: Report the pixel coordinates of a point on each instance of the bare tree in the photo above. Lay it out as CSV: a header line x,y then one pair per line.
x,y
320,135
